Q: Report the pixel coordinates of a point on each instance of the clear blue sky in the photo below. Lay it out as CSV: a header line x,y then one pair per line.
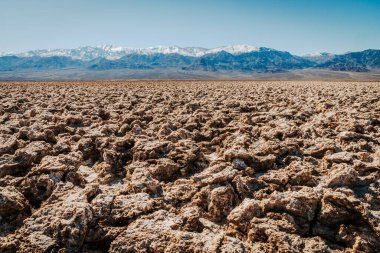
x,y
297,26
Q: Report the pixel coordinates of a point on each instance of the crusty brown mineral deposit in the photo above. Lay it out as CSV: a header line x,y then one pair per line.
x,y
190,166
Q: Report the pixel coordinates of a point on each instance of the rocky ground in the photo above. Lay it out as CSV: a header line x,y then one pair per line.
x,y
185,166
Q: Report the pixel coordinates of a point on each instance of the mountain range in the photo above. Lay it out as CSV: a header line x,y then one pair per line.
x,y
235,58
111,52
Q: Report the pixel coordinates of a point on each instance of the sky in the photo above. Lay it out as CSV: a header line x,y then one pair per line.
x,y
297,26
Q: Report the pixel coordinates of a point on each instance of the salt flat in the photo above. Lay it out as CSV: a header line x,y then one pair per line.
x,y
190,166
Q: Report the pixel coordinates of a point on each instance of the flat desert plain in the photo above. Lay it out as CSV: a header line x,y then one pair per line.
x,y
190,166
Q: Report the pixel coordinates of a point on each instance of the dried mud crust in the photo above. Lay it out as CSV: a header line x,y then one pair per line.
x,y
186,166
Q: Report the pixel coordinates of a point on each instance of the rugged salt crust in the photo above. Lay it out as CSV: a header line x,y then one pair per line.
x,y
181,166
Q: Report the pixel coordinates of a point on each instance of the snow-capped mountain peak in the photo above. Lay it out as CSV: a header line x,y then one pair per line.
x,y
234,49
187,51
111,48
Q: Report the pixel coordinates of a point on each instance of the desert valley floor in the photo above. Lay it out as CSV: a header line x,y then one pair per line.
x,y
190,166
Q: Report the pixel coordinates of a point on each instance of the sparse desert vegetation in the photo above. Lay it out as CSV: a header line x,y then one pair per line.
x,y
190,166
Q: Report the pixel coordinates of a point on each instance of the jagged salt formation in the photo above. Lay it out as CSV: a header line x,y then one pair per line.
x,y
190,167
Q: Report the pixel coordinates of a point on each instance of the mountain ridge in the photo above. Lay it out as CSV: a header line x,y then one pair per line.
x,y
112,52
237,58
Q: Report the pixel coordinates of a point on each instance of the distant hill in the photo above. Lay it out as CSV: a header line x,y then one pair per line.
x,y
263,60
12,63
143,61
357,61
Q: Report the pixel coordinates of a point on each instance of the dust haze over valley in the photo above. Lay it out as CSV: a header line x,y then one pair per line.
x,y
254,127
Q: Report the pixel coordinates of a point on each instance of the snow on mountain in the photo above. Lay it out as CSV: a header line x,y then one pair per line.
x,y
234,49
317,54
111,48
197,51
82,53
319,57
111,52
187,51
